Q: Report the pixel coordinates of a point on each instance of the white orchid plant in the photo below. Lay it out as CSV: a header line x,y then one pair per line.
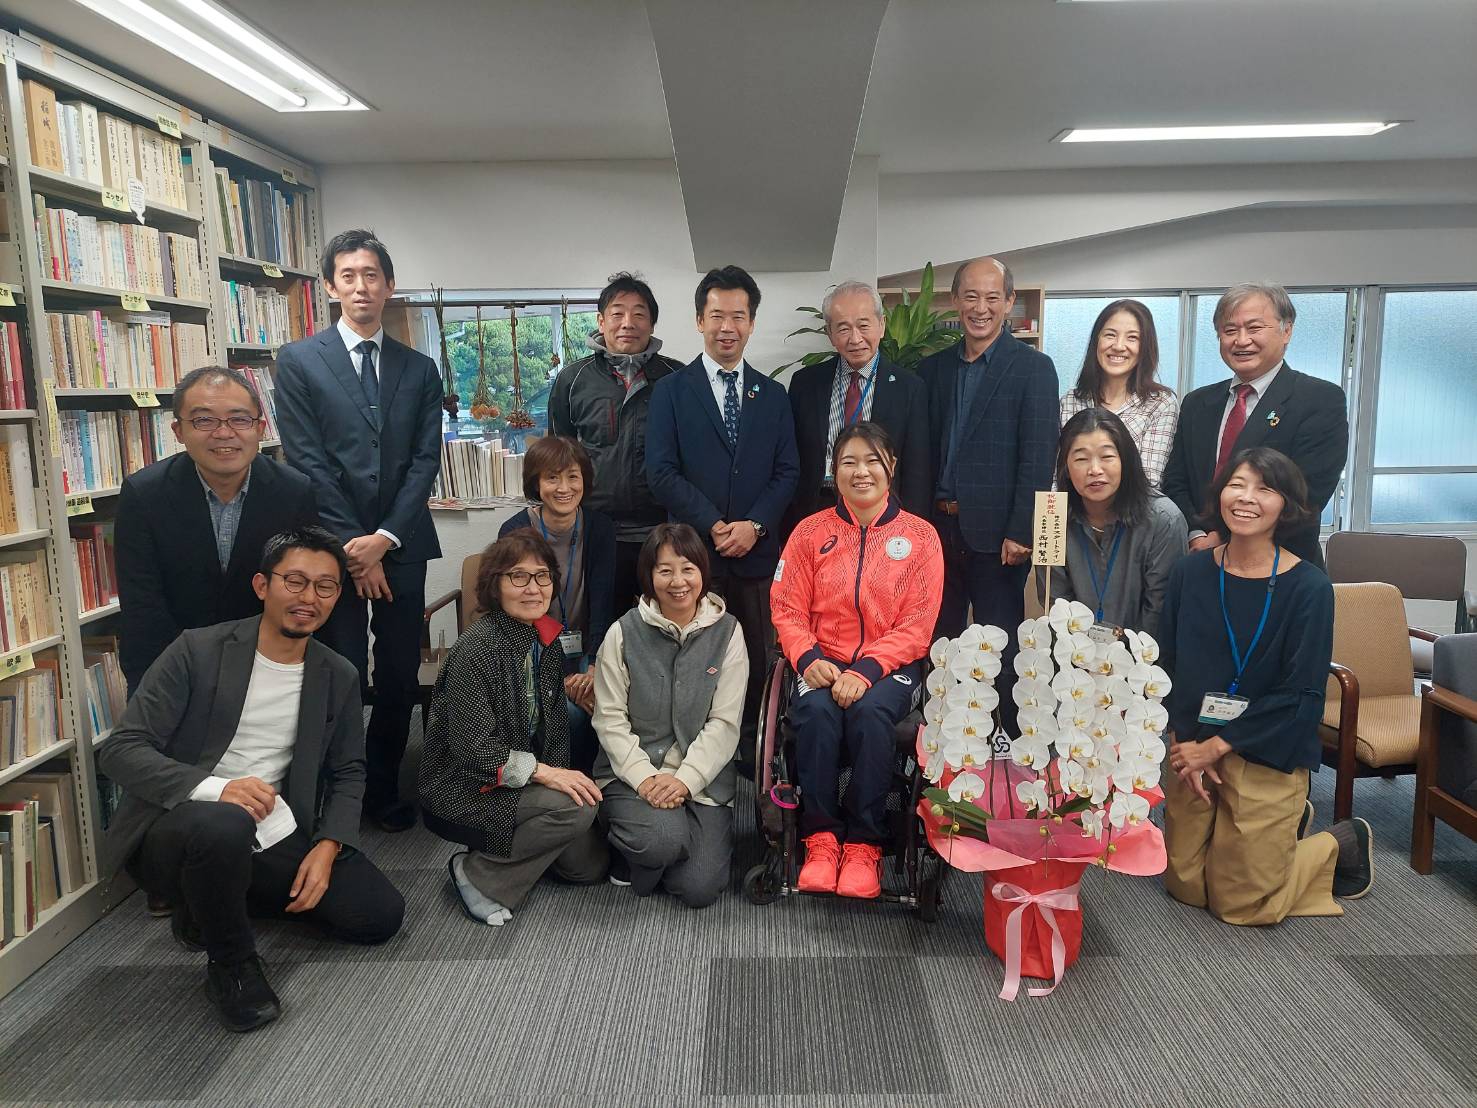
x,y
1086,761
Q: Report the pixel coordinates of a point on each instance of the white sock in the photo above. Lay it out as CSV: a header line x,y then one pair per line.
x,y
478,903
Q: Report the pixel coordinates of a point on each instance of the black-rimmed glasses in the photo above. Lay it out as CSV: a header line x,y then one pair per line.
x,y
297,582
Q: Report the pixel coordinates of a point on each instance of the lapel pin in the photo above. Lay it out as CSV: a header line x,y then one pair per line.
x,y
1273,419
890,377
753,392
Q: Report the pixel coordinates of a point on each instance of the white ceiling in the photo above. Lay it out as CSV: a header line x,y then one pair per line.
x,y
956,84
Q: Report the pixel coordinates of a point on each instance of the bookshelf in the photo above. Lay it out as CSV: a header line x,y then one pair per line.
x,y
128,387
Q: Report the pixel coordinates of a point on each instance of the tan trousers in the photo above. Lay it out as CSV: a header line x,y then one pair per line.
x,y
1240,855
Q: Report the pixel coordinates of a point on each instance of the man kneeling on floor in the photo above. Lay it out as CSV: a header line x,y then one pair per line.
x,y
241,760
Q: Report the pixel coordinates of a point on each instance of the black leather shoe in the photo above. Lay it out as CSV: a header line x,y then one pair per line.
x,y
1353,873
243,998
186,930
394,819
158,905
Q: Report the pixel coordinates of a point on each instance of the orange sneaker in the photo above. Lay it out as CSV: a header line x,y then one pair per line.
x,y
822,863
861,871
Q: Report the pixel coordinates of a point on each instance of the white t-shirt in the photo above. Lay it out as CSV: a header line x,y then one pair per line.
x,y
263,744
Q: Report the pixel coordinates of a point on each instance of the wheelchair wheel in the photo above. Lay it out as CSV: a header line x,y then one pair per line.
x,y
762,884
930,892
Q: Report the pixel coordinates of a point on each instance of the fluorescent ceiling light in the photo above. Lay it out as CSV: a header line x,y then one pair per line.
x,y
215,41
1238,131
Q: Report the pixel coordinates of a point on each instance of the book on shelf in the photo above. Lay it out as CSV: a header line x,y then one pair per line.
x,y
99,449
262,219
30,711
17,480
25,600
266,316
12,365
475,470
119,349
266,390
94,559
20,822
41,126
128,257
56,800
107,688
109,796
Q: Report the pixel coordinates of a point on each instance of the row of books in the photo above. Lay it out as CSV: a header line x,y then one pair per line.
x,y
107,688
265,315
99,449
25,599
117,349
262,219
40,851
477,470
17,480
12,368
95,563
130,257
266,389
30,711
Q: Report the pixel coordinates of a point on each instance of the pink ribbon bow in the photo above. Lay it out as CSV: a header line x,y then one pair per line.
x,y
1045,902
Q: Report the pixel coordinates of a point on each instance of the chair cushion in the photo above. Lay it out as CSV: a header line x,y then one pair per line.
x,y
1389,729
1455,668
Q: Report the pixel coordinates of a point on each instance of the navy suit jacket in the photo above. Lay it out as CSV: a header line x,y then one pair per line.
x,y
700,480
1007,446
1304,417
369,469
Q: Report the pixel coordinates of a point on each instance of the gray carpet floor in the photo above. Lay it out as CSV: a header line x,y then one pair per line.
x,y
593,996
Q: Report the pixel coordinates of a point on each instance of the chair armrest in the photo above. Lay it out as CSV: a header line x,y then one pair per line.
x,y
1422,634
453,597
1455,703
1348,727
1466,613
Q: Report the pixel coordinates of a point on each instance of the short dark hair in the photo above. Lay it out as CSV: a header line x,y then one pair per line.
x,y
346,242
626,282
551,454
308,537
506,553
1131,501
1142,382
874,435
684,542
728,277
1280,474
212,375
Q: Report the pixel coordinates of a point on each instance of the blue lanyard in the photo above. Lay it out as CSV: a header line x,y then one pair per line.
x,y
1261,624
861,404
1087,550
574,538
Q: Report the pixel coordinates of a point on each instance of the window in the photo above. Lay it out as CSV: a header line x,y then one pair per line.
x,y
1069,321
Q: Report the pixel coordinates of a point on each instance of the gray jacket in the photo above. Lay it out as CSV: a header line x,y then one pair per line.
x,y
184,716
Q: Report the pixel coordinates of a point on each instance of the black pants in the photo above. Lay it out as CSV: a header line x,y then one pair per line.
x,y
748,599
199,854
397,660
627,589
866,728
997,594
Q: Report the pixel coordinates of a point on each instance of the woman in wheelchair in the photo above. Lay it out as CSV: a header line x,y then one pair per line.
x,y
669,692
854,601
1122,537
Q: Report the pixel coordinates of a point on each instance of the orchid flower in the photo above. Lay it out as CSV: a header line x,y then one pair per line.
x,y
983,640
1074,650
974,665
1073,685
933,737
967,787
978,696
1128,808
933,710
1033,795
1136,675
1031,752
1100,784
966,735
1110,658
1145,649
940,653
1070,617
1157,684
1036,723
1111,692
1092,823
1106,727
933,768
1034,663
1143,715
1033,693
1034,634
1072,778
937,683
1075,714
1074,743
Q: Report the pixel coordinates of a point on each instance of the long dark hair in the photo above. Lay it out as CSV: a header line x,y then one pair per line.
x,y
1142,382
1280,474
1131,501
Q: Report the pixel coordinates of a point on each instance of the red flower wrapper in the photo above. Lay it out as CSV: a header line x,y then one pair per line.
x,y
1033,921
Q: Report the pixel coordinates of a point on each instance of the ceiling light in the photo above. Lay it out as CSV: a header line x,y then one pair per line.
x,y
1237,131
210,38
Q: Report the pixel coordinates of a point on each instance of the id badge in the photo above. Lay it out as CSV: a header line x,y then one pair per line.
x,y
1104,632
1218,708
572,643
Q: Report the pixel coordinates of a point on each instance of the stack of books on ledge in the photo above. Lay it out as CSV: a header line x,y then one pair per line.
x,y
261,378
478,472
107,689
25,600
12,368
17,483
85,250
118,349
99,449
40,850
97,570
265,316
262,220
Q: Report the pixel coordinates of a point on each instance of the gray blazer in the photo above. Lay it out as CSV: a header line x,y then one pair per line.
x,y
184,716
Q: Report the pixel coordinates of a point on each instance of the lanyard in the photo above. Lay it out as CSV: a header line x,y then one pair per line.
x,y
1087,550
574,538
1261,626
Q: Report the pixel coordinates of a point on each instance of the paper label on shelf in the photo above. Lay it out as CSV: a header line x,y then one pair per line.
x,y
17,661
116,200
7,297
169,126
48,55
144,398
271,270
289,176
79,504
137,202
53,421
134,302
225,136
1049,545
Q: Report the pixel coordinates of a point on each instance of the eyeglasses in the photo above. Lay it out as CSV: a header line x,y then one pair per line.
x,y
297,582
209,423
519,578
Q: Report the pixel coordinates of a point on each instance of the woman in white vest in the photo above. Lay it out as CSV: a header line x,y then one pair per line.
x,y
669,692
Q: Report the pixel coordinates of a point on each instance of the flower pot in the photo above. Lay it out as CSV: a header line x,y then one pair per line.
x,y
1033,921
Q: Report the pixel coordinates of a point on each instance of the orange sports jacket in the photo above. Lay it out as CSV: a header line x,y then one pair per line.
x,y
864,597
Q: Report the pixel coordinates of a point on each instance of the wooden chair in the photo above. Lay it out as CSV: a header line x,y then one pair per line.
x,y
1446,767
1371,715
465,599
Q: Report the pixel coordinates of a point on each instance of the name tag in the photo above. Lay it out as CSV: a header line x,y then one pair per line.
x,y
1104,632
572,643
1219,708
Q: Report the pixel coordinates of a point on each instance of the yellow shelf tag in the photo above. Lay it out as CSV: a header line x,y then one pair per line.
x,y
134,302
289,176
17,661
144,398
116,200
169,126
271,270
1049,545
7,297
79,504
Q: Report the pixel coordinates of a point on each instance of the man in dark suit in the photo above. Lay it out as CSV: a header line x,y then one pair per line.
x,y
720,454
993,416
191,526
241,760
361,415
859,383
1267,403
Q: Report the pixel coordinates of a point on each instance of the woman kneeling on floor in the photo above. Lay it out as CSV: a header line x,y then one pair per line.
x,y
669,693
495,770
854,601
1247,634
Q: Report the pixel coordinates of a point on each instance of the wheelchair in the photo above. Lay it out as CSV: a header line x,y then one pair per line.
x,y
912,873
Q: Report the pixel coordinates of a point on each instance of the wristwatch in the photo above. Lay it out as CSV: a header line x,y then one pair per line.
x,y
759,529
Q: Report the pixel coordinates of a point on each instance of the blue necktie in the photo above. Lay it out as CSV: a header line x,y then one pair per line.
x,y
730,405
368,378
